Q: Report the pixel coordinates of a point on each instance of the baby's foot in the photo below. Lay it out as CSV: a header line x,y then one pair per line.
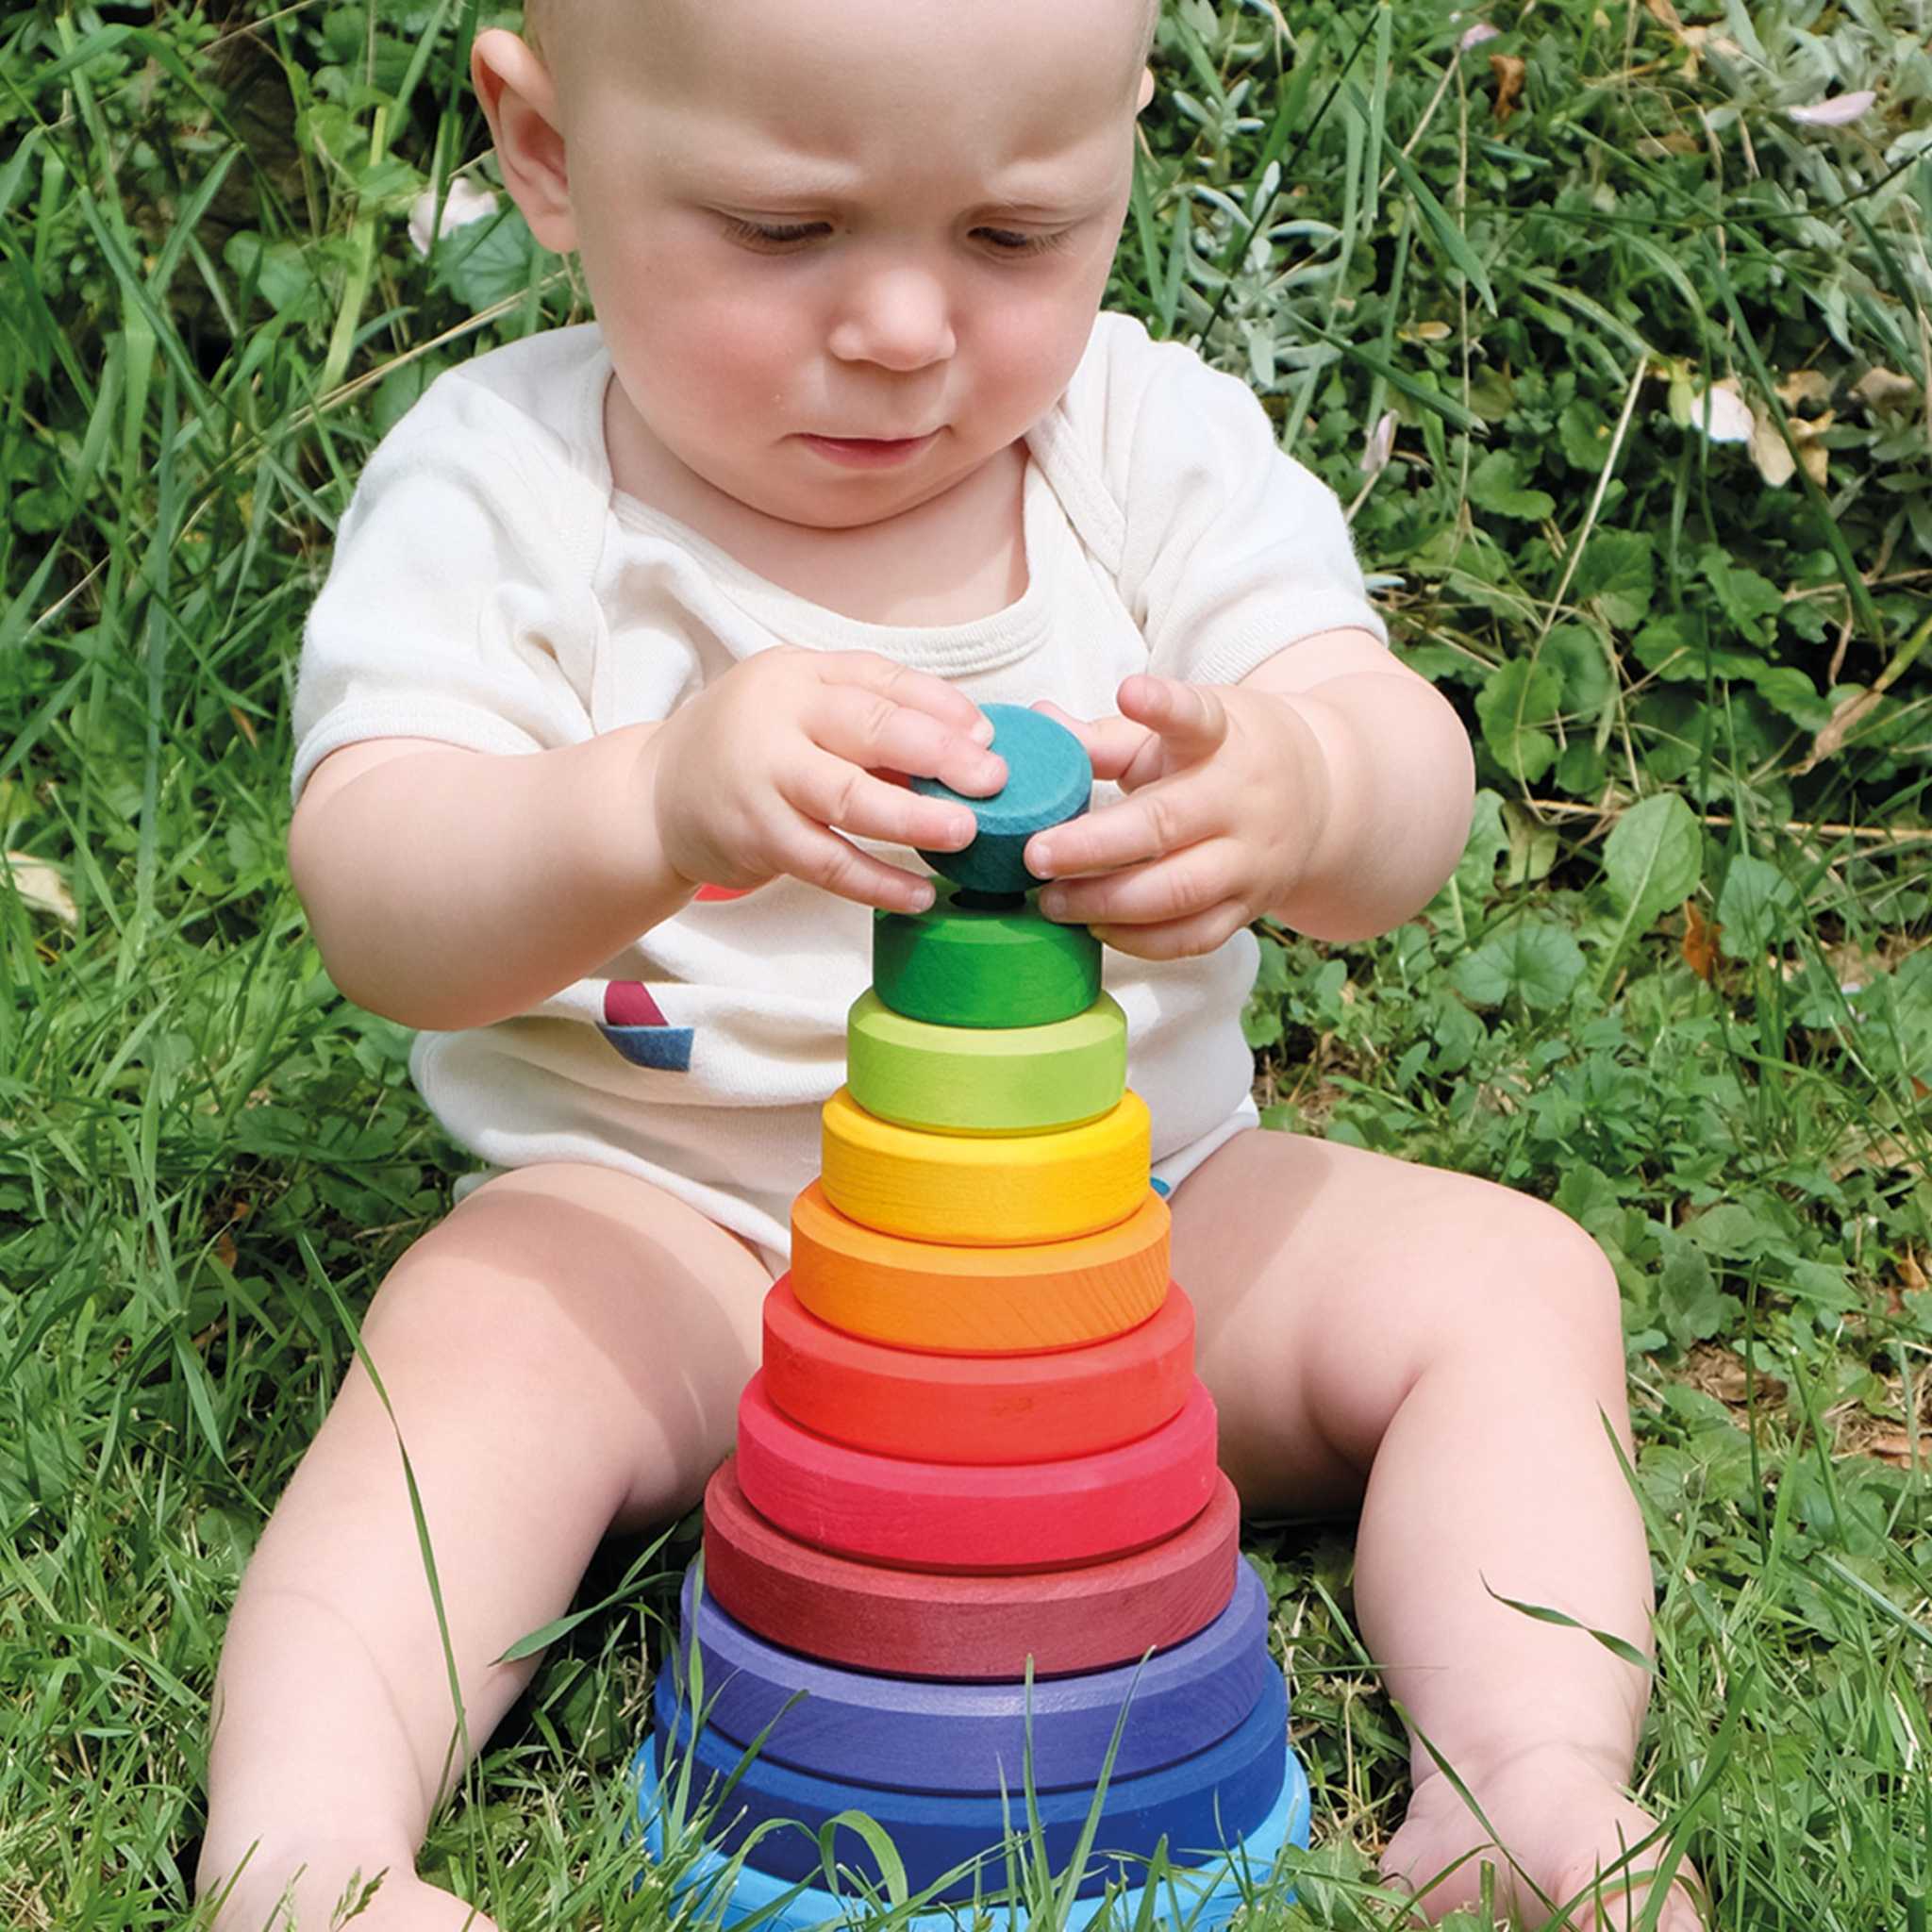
x,y
331,1894
1568,1829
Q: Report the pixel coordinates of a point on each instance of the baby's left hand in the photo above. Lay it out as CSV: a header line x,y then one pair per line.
x,y
1228,793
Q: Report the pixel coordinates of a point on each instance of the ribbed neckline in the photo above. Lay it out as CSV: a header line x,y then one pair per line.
x,y
983,643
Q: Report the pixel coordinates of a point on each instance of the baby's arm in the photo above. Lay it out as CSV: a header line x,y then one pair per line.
x,y
450,888
1399,778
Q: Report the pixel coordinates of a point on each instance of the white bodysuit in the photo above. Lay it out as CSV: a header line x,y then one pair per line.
x,y
492,589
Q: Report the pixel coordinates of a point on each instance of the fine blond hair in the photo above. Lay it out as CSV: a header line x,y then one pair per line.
x,y
548,20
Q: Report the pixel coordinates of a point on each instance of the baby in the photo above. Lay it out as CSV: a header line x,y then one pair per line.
x,y
630,631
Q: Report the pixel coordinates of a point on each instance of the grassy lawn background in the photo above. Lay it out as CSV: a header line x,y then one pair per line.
x,y
1680,983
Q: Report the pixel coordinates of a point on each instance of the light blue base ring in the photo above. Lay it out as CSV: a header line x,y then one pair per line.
x,y
1207,1895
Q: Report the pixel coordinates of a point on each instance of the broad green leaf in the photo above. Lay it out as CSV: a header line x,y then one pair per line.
x,y
1787,690
1580,654
1618,570
1518,700
1687,1299
1583,432
279,270
1532,846
1753,906
1652,857
1454,1033
1678,647
1535,960
1496,484
1751,602
1584,1192
488,262
1582,770
1731,1229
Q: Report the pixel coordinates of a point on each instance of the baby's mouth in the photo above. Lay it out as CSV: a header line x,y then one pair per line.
x,y
865,450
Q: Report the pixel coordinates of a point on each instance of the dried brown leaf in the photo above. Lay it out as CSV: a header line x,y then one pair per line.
x,y
1508,69
1884,391
1839,726
1801,387
1721,1375
1768,453
1700,941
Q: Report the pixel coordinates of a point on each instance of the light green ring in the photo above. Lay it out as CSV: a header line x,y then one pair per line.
x,y
986,1079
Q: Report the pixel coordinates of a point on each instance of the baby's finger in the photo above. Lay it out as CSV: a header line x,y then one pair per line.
x,y
835,792
918,690
1158,818
875,732
1189,718
1185,938
823,858
1111,743
1170,888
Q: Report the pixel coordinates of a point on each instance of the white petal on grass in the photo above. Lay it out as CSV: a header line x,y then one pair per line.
x,y
463,203
1730,415
41,886
1476,35
1834,112
1380,445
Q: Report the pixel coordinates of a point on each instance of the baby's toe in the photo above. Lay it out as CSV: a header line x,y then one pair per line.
x,y
1558,1848
1615,1894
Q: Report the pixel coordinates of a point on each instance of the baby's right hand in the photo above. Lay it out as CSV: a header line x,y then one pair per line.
x,y
749,778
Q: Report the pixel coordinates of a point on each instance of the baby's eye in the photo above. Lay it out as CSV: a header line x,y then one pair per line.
x,y
1011,242
774,238
755,234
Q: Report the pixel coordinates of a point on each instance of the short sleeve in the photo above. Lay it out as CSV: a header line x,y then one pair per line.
x,y
456,606
1229,550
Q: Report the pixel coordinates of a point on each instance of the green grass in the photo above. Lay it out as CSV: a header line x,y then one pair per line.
x,y
1700,701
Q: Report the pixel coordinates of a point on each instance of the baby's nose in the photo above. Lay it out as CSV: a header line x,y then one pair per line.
x,y
899,317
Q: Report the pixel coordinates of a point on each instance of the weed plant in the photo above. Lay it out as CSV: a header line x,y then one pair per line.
x,y
1610,325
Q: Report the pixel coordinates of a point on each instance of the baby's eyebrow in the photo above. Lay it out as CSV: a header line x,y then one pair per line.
x,y
784,180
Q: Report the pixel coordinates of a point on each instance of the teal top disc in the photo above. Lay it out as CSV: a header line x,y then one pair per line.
x,y
1049,779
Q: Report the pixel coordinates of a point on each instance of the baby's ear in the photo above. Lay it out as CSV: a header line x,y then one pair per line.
x,y
518,98
1146,89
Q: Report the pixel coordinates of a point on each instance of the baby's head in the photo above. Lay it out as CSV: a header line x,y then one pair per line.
x,y
860,219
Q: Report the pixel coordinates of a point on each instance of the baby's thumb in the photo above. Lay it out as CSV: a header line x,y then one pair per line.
x,y
1111,744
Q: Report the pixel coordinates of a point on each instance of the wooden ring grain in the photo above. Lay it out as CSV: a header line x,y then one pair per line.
x,y
970,1515
978,1191
929,1623
976,1407
978,1301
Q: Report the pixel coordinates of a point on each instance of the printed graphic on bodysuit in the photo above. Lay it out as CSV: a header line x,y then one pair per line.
x,y
635,1024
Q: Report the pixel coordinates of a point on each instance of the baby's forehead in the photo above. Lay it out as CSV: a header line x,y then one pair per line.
x,y
668,33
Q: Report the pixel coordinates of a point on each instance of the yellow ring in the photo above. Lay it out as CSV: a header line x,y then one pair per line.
x,y
985,1191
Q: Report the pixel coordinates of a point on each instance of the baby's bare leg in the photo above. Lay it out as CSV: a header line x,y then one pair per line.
x,y
1445,1353
563,1354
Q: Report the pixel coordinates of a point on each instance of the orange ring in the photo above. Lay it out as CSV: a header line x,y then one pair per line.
x,y
978,1301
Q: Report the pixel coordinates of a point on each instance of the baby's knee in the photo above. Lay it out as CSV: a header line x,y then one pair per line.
x,y
1529,1275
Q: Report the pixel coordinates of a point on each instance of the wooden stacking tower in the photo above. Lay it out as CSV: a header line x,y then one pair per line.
x,y
976,1446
